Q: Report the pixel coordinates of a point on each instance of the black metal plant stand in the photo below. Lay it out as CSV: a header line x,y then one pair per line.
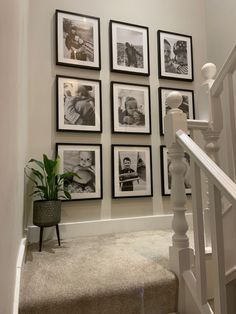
x,y
41,236
47,214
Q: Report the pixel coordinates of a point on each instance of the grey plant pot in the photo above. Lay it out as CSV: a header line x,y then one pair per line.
x,y
46,213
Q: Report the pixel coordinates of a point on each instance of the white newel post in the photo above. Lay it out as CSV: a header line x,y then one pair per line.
x,y
181,255
211,135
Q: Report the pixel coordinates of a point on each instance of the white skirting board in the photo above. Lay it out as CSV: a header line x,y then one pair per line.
x,y
19,263
87,228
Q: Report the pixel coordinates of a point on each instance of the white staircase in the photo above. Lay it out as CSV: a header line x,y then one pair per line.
x,y
213,193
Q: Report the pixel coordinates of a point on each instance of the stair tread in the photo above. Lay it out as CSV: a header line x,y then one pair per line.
x,y
108,270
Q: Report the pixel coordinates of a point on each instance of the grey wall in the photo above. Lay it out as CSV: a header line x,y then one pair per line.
x,y
13,121
186,17
220,27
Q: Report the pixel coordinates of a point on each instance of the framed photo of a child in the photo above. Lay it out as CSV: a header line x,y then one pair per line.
x,y
78,104
132,171
166,175
187,105
78,40
175,56
86,161
129,48
131,110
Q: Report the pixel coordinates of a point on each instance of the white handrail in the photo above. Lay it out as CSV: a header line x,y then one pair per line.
x,y
216,175
197,124
222,90
219,185
178,141
228,67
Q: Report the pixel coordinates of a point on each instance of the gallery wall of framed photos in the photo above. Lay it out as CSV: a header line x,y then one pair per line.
x,y
103,87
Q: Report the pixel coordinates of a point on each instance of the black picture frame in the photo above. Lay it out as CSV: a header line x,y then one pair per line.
x,y
137,182
165,174
187,105
79,104
129,48
131,108
78,40
175,56
86,161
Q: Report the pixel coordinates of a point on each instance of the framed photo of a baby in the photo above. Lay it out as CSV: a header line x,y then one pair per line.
x,y
78,104
132,171
129,47
166,175
175,56
131,108
78,40
86,161
187,105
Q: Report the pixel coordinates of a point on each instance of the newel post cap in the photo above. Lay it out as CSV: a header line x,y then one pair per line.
x,y
208,72
174,99
175,119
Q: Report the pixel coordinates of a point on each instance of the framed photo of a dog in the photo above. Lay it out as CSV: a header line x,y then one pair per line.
x,y
78,40
132,171
131,110
86,161
175,56
129,48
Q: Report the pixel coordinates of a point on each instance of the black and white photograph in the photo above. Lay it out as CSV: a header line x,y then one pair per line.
x,y
78,40
132,171
187,105
86,161
129,48
131,110
166,175
78,104
175,56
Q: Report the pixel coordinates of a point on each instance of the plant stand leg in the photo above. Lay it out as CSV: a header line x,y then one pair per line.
x,y
40,239
58,235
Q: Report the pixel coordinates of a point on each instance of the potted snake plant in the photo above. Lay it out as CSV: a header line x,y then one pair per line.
x,y
48,189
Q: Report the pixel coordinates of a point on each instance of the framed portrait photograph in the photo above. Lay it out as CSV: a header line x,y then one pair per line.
x,y
132,171
78,40
78,104
86,161
166,175
187,105
131,110
129,47
175,56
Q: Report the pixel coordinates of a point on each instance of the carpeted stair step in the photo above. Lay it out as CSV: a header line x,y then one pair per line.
x,y
109,274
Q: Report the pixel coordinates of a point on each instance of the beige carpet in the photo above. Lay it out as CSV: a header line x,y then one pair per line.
x,y
109,274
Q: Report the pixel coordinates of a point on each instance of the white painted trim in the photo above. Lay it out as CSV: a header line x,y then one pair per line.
x,y
19,263
209,167
230,274
191,283
227,210
97,227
